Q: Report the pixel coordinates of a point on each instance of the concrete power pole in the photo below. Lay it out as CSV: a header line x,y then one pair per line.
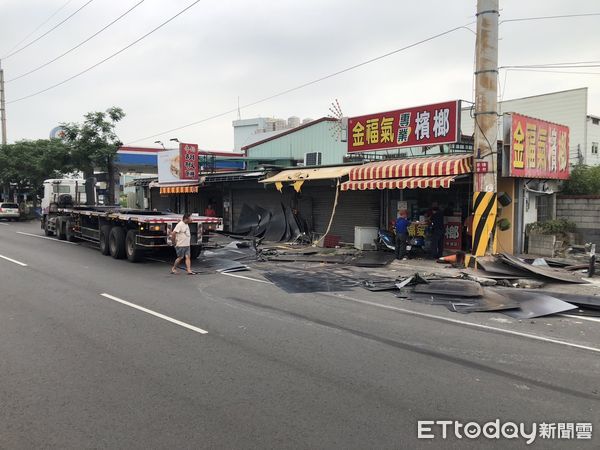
x,y
2,105
485,181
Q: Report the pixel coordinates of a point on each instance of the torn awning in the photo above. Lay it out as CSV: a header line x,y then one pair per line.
x,y
181,189
432,166
306,174
400,183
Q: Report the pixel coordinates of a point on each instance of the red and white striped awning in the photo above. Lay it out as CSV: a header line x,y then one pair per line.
x,y
399,183
432,166
184,189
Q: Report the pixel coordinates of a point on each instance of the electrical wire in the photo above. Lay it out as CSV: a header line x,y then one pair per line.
x,y
552,71
563,16
108,57
309,83
47,32
39,26
78,45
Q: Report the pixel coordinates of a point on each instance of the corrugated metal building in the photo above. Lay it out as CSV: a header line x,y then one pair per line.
x,y
316,136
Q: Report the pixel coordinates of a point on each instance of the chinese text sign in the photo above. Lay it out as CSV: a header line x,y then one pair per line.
x,y
411,127
188,154
536,148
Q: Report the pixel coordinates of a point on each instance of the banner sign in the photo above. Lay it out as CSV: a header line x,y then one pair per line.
x,y
535,148
452,233
189,161
179,164
411,127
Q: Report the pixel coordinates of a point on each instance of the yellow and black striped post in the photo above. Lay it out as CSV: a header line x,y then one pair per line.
x,y
485,206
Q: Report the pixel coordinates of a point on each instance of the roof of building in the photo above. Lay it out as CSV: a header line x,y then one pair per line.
x,y
290,131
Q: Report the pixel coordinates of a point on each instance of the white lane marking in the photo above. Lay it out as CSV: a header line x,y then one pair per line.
x,y
591,319
469,324
5,224
245,278
13,261
45,237
154,313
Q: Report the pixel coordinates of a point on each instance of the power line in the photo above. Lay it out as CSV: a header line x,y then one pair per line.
x,y
49,31
563,16
553,71
78,45
108,57
40,26
574,64
309,83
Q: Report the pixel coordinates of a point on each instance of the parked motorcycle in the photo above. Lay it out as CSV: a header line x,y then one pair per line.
x,y
386,240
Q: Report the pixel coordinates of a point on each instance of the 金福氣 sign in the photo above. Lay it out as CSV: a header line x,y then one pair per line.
x,y
411,127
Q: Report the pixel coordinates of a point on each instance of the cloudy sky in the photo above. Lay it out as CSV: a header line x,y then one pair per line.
x,y
199,64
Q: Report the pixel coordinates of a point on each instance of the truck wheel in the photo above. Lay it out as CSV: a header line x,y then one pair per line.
x,y
116,243
47,230
195,251
133,253
69,233
104,235
60,229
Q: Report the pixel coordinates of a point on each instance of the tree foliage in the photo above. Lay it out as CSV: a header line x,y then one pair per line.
x,y
94,142
28,163
584,180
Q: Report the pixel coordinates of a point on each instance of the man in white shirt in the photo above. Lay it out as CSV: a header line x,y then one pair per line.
x,y
181,238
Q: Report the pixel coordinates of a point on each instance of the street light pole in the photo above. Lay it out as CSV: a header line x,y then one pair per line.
x,y
485,176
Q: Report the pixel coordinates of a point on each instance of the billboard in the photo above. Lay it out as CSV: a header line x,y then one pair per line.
x,y
535,148
179,164
412,127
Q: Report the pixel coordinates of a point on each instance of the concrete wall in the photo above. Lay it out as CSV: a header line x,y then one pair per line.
x,y
593,136
584,210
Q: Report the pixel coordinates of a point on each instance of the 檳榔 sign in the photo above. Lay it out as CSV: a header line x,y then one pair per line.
x,y
411,127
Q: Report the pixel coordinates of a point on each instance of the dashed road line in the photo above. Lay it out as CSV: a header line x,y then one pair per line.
x,y
154,313
590,319
45,237
13,261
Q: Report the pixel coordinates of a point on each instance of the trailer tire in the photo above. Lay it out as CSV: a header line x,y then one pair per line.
x,y
195,251
47,230
60,229
133,254
69,233
103,239
116,242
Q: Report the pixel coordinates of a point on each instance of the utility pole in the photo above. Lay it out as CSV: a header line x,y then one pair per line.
x,y
485,181
2,105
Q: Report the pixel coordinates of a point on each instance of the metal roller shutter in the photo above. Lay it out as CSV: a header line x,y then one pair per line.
x,y
355,208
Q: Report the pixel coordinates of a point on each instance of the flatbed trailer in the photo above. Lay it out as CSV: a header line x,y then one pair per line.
x,y
124,233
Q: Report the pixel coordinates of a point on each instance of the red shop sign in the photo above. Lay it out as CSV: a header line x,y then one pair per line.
x,y
412,127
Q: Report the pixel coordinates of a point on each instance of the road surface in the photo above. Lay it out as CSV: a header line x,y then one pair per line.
x,y
100,353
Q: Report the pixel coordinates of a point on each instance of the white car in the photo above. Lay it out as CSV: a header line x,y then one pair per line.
x,y
9,211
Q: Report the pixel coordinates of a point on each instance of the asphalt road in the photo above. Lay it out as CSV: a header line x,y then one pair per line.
x,y
100,353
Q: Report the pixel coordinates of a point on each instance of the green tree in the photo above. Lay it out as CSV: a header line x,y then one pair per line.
x,y
94,143
584,180
27,164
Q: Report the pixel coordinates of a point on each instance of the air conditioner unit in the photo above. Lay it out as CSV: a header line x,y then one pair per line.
x,y
312,159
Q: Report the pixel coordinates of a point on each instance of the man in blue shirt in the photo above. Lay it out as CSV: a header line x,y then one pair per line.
x,y
402,224
437,233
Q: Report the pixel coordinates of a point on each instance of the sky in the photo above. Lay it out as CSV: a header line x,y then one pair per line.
x,y
199,64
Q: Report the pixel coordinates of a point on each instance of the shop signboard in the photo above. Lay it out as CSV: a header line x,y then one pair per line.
x,y
535,148
452,233
411,127
178,165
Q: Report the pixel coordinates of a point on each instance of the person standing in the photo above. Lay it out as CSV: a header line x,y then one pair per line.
x,y
181,239
401,227
210,211
437,233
